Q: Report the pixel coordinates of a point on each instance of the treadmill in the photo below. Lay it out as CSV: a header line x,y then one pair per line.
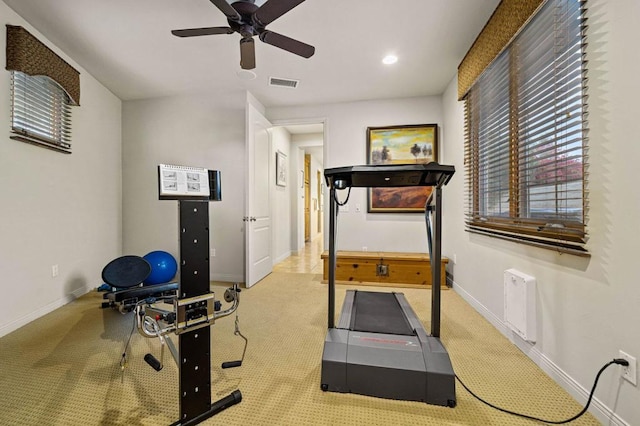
x,y
379,346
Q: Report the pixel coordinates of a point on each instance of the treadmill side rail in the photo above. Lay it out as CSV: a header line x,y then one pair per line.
x,y
441,383
347,310
334,361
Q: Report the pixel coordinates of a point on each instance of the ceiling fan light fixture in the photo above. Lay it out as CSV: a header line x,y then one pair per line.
x,y
246,75
390,59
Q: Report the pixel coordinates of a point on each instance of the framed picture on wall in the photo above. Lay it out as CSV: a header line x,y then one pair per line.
x,y
409,144
281,169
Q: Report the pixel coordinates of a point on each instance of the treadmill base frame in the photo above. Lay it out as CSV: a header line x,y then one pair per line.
x,y
404,367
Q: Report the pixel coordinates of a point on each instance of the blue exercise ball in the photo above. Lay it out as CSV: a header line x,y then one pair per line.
x,y
163,267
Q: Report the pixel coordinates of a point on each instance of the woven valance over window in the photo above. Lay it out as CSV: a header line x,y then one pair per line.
x,y
27,54
508,18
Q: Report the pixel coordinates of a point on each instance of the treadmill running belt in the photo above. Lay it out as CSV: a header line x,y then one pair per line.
x,y
378,313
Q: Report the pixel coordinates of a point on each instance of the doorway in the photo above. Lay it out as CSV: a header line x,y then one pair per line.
x,y
306,165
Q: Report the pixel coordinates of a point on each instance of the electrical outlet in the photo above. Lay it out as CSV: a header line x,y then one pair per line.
x,y
629,373
455,258
54,271
358,208
213,252
364,248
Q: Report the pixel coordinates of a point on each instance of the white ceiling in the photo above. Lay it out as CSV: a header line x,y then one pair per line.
x,y
128,47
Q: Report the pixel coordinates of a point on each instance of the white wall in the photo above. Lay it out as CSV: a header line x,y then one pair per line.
x,y
297,204
345,126
281,197
57,209
587,307
202,130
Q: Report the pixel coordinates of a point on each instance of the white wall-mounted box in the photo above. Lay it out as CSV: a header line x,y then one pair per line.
x,y
520,303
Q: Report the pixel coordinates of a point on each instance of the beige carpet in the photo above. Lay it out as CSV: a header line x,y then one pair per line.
x,y
63,369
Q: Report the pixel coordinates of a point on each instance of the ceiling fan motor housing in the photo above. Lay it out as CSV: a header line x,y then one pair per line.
x,y
247,26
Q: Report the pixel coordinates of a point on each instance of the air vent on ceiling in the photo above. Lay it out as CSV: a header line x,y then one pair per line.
x,y
283,82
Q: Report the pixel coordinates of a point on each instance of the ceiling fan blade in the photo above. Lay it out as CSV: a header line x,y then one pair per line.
x,y
273,9
226,8
247,54
288,44
194,32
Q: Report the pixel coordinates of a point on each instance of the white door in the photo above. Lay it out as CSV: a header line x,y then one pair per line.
x,y
257,205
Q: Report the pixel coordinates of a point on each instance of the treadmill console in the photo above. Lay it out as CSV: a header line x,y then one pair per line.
x,y
391,175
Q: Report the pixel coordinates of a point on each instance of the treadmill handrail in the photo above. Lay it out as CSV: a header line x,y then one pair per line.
x,y
430,174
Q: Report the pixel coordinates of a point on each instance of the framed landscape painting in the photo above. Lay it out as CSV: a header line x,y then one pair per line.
x,y
410,144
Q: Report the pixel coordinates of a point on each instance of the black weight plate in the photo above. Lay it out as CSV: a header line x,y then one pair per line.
x,y
126,271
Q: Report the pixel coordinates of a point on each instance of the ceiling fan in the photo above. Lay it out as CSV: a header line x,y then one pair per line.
x,y
248,20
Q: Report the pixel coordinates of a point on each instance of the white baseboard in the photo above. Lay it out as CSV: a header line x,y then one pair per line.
x,y
22,321
227,278
282,257
603,413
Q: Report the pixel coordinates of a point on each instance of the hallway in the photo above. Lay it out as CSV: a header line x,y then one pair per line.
x,y
306,261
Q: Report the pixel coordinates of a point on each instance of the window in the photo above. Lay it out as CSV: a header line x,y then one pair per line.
x,y
43,89
525,136
40,112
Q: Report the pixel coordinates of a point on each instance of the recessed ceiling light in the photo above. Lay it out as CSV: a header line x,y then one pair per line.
x,y
390,59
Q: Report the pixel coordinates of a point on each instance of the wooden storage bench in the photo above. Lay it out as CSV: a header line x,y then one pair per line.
x,y
379,268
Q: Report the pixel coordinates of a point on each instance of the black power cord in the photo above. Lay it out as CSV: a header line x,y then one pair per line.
x,y
335,197
618,361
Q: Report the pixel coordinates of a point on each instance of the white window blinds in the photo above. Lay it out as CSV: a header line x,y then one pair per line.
x,y
41,112
526,146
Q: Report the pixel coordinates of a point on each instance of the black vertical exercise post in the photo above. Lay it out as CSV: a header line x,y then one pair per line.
x,y
194,305
195,357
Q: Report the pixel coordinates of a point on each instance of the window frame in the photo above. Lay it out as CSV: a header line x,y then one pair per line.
x,y
558,233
